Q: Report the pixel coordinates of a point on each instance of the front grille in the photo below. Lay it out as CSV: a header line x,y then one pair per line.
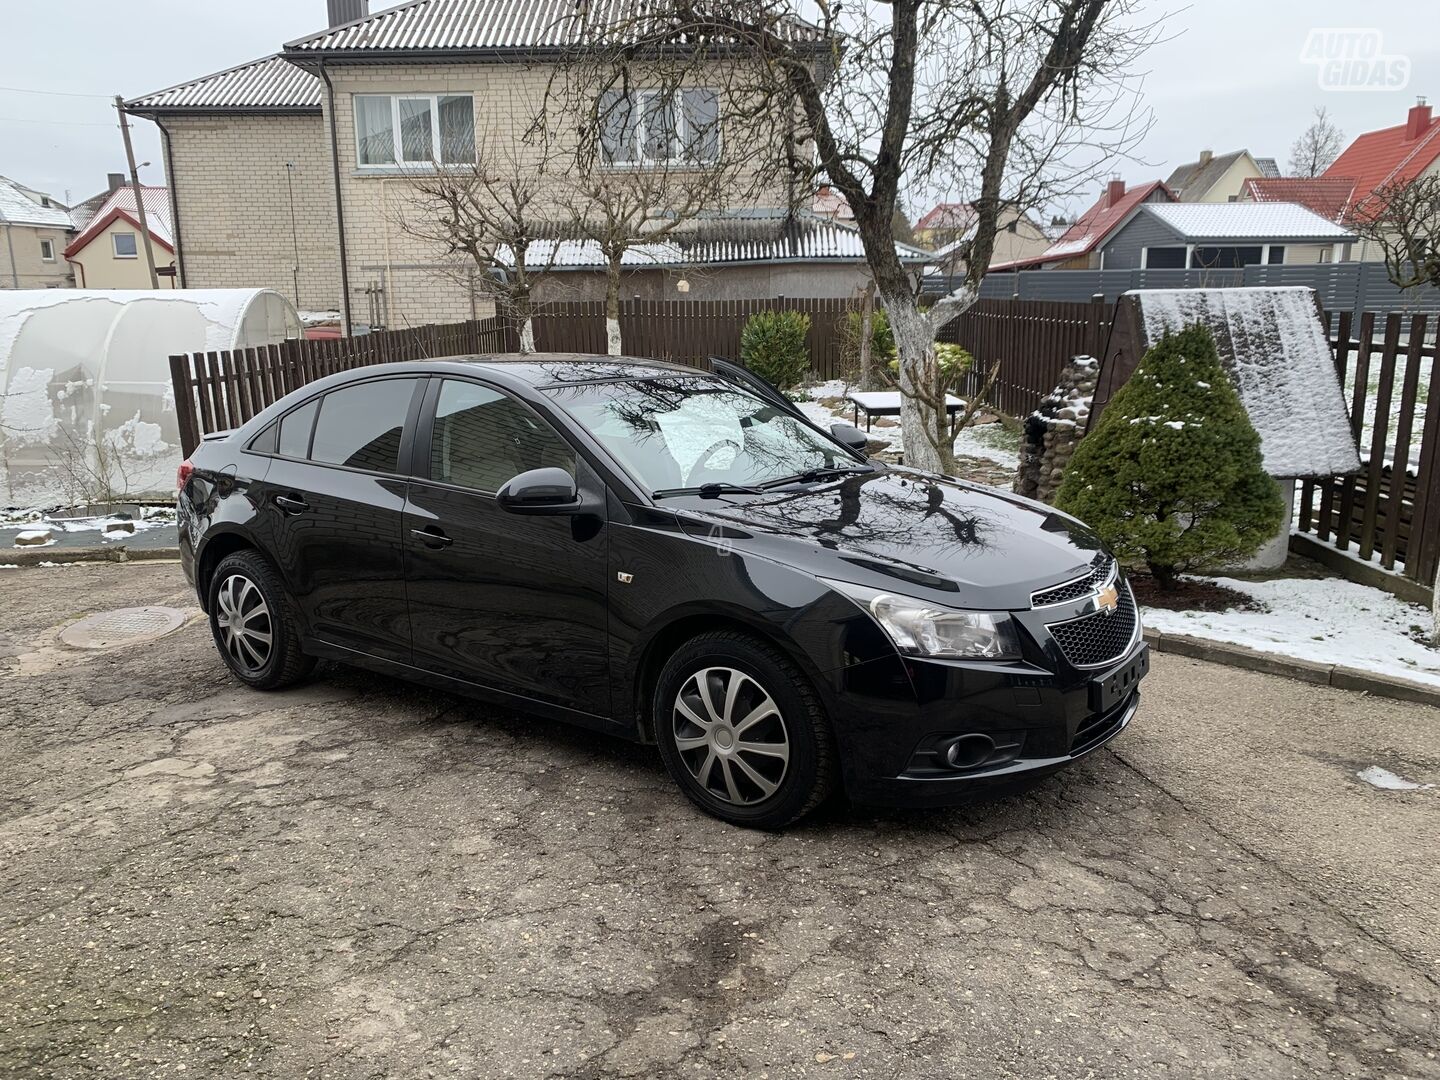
x,y
1099,726
1100,568
1098,638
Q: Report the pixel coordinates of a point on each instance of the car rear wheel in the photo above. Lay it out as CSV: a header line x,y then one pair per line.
x,y
743,732
252,625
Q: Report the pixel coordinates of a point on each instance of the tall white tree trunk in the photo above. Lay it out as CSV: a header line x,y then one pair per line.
x,y
613,344
915,342
527,335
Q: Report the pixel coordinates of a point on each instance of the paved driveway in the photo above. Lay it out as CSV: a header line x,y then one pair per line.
x,y
363,879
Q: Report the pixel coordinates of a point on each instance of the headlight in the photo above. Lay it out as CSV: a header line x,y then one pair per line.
x,y
925,629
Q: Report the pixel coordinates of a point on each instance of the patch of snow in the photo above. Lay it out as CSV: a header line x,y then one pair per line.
x,y
1275,347
1324,620
990,442
9,566
34,538
1386,780
832,388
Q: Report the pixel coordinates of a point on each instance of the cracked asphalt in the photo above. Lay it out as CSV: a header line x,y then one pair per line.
x,y
359,878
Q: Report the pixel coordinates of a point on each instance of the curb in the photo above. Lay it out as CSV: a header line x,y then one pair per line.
x,y
113,553
1334,675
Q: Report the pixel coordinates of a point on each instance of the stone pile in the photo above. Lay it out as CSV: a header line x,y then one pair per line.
x,y
1054,429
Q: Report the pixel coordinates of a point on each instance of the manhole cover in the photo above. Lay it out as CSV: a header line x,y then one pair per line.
x,y
128,626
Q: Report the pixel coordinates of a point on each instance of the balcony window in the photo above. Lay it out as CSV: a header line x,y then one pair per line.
x,y
660,127
414,130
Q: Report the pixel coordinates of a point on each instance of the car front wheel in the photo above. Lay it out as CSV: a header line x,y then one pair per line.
x,y
251,623
743,732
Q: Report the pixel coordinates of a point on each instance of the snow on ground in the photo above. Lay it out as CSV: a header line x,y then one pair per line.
x,y
1325,620
989,442
1386,780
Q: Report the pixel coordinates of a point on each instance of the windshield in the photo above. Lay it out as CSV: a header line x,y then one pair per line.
x,y
686,432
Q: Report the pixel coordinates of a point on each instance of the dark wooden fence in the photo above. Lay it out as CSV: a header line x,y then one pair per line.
x,y
1390,511
1032,340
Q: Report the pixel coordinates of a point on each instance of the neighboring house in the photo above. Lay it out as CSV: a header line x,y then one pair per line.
x,y
109,252
1389,157
36,229
260,198
1176,236
1269,167
947,226
1081,246
830,204
1215,178
1328,196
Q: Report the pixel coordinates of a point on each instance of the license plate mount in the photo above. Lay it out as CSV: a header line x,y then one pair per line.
x,y
1109,690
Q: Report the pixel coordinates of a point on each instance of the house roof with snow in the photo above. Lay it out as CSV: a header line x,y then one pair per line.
x,y
954,215
1268,167
1115,207
120,205
734,238
1328,196
1223,222
494,27
269,85
1192,180
1393,155
20,205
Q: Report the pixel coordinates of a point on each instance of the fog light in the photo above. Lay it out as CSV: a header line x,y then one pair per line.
x,y
969,750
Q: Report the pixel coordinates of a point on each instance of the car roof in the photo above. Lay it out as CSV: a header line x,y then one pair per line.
x,y
558,369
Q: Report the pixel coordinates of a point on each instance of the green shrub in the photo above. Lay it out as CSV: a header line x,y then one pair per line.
x,y
1171,475
773,346
882,340
954,362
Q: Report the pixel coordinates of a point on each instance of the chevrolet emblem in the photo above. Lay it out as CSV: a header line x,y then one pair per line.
x,y
1107,600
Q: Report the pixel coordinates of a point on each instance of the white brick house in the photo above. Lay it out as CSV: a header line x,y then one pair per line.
x,y
292,172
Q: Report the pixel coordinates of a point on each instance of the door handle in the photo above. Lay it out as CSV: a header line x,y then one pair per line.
x,y
291,504
432,537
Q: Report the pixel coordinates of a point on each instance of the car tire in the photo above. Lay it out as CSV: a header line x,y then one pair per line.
x,y
761,753
253,623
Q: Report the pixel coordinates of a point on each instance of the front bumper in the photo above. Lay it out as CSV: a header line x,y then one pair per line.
x,y
1027,724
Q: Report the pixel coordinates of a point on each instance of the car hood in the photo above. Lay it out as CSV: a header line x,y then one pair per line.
x,y
904,531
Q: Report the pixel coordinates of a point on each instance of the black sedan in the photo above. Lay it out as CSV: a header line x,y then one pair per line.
x,y
668,555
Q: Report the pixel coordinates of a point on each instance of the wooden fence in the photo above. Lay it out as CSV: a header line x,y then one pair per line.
x,y
1032,340
1390,511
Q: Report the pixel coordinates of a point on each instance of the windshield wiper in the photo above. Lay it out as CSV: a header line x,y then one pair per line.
x,y
823,472
707,491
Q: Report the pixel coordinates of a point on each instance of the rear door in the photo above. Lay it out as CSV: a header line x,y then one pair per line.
x,y
506,601
333,502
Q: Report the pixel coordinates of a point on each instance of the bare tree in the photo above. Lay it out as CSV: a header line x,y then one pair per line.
x,y
1317,147
1010,100
1403,221
494,222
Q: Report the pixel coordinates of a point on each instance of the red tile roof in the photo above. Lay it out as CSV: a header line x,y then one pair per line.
x,y
1094,225
1394,155
1328,196
951,215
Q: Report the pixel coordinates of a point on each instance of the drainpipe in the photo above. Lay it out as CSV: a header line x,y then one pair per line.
x,y
10,243
339,202
174,203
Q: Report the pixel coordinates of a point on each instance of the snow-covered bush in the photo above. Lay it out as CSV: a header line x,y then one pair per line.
x,y
1171,475
773,345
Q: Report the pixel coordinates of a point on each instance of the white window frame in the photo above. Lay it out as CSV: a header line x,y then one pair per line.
x,y
47,250
116,250
396,141
639,101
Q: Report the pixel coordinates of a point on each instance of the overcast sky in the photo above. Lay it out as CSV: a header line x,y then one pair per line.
x,y
1232,76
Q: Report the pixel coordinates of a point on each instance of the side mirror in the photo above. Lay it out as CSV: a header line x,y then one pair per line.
x,y
540,491
851,436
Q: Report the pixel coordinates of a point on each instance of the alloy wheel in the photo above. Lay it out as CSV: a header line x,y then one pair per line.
x,y
731,736
244,624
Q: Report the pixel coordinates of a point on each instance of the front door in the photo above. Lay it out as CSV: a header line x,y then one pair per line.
x,y
333,499
509,602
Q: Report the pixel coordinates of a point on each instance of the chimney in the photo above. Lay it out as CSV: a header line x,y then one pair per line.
x,y
116,180
1114,191
344,11
1206,156
1418,122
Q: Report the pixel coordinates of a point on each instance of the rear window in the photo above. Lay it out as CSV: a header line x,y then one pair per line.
x,y
360,426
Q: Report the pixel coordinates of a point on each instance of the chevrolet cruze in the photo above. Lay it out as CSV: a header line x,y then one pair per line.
x,y
668,555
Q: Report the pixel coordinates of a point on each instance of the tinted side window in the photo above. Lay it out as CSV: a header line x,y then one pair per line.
x,y
360,426
267,441
295,430
482,438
